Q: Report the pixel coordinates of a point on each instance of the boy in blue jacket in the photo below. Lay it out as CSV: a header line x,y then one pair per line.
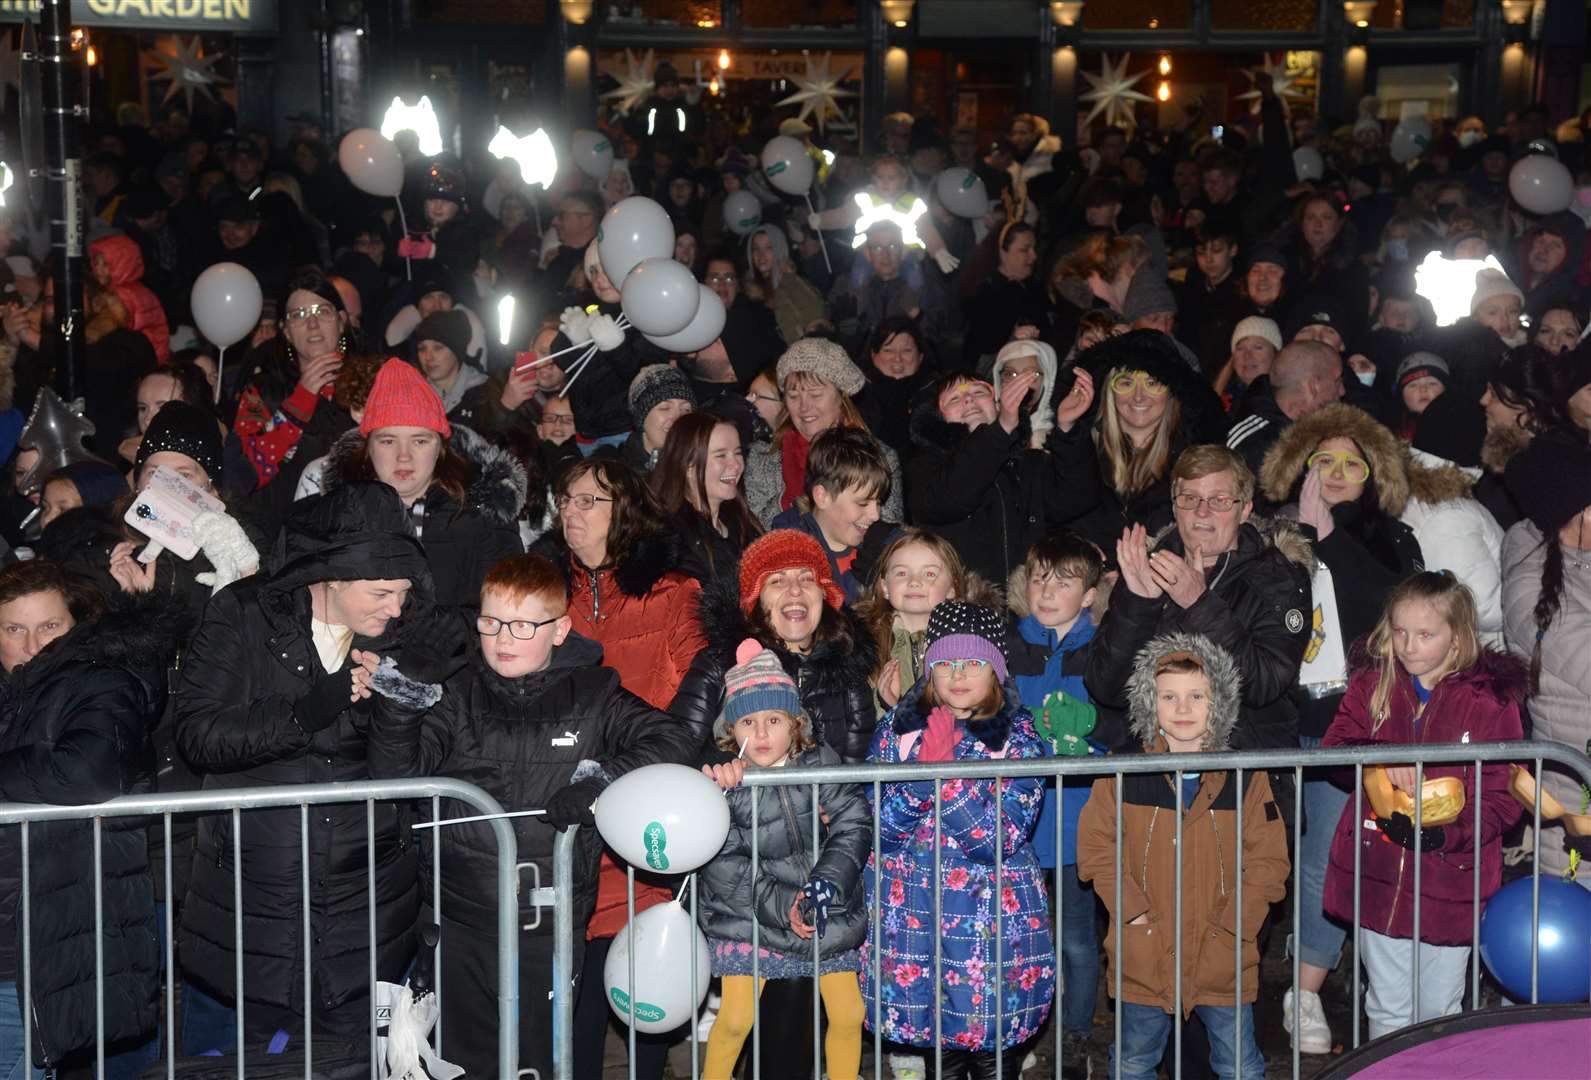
x,y
1051,593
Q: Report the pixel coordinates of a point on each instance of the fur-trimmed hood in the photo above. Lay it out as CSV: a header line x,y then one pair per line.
x,y
652,556
1041,421
930,430
1016,595
1285,462
497,490
1434,486
139,634
1226,685
1272,532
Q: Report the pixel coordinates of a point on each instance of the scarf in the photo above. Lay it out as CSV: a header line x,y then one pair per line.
x,y
793,464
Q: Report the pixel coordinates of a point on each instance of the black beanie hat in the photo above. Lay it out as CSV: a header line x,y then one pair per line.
x,y
960,631
1453,428
1551,480
450,328
181,428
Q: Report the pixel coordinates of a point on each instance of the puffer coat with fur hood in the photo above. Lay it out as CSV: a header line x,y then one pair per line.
x,y
461,541
1211,922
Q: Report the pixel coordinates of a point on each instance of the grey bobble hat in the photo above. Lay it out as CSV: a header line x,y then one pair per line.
x,y
1149,294
826,360
655,384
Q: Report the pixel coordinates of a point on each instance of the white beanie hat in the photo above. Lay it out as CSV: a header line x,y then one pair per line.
x,y
1490,282
1258,326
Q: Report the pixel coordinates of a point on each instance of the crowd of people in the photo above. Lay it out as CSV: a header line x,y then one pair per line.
x,y
1164,453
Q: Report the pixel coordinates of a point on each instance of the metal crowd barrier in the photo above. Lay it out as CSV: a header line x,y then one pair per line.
x,y
303,796
1083,771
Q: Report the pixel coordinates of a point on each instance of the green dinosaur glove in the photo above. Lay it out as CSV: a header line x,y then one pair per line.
x,y
1064,721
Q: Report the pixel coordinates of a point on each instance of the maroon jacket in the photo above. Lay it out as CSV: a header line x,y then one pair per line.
x,y
1478,704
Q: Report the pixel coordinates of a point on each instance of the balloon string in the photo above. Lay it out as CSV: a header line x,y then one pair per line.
x,y
408,264
577,369
220,370
822,245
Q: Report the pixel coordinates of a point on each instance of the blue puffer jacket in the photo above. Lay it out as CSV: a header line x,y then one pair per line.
x,y
1024,978
1065,656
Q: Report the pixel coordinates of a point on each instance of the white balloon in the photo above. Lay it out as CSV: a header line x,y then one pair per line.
x,y
226,304
1541,184
660,296
704,328
1409,139
371,162
742,213
593,153
666,944
1308,163
788,165
962,192
632,231
667,818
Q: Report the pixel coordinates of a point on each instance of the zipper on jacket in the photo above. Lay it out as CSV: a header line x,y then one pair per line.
x,y
596,596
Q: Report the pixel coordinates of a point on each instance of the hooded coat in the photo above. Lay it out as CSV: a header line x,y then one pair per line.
x,y
1146,953
1458,534
249,670
73,724
461,540
1478,704
147,317
1255,607
902,884
796,303
987,493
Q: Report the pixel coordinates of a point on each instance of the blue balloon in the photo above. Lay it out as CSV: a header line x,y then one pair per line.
x,y
1564,949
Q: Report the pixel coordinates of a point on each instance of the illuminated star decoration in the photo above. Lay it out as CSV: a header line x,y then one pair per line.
x,y
635,83
7,178
818,93
419,118
1281,82
538,162
1113,92
875,211
188,70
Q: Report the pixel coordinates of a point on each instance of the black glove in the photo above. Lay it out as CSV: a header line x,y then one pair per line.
x,y
328,696
1581,844
1399,828
572,805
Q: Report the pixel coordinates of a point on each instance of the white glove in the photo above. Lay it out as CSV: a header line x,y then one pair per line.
x,y
947,262
228,548
575,325
606,333
815,221
409,1053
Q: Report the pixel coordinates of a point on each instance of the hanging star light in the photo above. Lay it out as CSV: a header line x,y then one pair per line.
x,y
538,162
635,83
1113,92
1281,82
419,118
188,70
819,91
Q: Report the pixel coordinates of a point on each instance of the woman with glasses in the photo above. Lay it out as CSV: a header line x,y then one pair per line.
x,y
1342,475
463,494
286,416
1149,408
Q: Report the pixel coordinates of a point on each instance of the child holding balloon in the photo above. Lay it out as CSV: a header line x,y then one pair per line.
x,y
1426,679
966,708
805,895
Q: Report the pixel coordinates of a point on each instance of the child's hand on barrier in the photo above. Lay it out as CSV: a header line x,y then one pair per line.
x,y
726,776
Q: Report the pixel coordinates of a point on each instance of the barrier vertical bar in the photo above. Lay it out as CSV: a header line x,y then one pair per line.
x,y
756,947
370,923
99,948
999,923
1358,848
629,880
939,930
696,1069
1414,999
1535,893
27,956
309,952
1121,950
1060,917
1475,901
436,913
1237,977
1176,940
171,957
817,1021
878,903
237,934
1298,931
563,1005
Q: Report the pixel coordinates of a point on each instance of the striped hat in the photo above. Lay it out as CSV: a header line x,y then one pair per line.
x,y
756,682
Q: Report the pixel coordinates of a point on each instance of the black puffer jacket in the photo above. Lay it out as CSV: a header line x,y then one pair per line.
x,y
74,721
250,668
520,740
461,542
987,493
1256,607
785,863
600,394
832,679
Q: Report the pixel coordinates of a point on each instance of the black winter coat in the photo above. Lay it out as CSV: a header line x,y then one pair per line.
x,y
520,740
75,719
832,679
600,394
1256,607
990,495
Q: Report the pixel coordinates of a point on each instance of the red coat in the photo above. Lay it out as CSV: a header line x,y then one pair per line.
x,y
127,282
1478,704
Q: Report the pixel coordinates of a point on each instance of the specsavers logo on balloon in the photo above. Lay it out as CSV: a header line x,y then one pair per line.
x,y
644,1011
656,841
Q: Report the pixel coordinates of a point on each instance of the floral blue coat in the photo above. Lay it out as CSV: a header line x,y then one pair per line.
x,y
972,982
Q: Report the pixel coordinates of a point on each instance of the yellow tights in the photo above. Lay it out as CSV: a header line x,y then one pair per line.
x,y
842,1046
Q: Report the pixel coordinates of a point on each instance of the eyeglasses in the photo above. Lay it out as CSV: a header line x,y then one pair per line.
x,y
581,502
518,629
721,279
1351,467
885,249
1124,381
1218,504
313,311
554,419
754,396
956,667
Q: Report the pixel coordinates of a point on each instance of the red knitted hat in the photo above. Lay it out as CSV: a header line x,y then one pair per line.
x,y
402,398
783,549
